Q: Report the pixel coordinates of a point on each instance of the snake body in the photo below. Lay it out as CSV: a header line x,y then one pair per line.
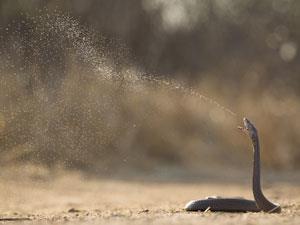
x,y
260,202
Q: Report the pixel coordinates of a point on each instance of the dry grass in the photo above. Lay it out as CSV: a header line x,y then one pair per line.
x,y
98,124
69,97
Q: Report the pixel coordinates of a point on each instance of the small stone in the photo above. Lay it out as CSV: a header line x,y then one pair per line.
x,y
73,210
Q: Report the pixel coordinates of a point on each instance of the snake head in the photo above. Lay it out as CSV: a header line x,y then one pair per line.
x,y
249,128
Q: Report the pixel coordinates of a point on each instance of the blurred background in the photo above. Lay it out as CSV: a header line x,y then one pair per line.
x,y
143,85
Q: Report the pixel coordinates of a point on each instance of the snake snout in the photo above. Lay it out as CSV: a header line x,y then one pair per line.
x,y
246,123
190,205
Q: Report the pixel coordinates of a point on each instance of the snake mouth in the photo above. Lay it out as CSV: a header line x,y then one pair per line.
x,y
246,126
246,123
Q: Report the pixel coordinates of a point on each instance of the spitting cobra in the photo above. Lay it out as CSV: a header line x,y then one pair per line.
x,y
261,203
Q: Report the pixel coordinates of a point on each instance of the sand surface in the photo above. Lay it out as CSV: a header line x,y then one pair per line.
x,y
72,198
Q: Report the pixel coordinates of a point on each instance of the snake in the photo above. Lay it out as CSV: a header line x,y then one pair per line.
x,y
260,202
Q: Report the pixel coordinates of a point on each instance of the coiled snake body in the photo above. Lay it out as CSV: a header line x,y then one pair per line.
x,y
261,203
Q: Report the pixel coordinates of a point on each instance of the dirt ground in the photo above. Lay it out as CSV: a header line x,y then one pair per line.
x,y
73,198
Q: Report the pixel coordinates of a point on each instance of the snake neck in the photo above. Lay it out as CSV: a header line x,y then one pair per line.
x,y
262,202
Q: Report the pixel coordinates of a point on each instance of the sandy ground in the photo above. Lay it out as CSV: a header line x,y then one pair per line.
x,y
71,198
